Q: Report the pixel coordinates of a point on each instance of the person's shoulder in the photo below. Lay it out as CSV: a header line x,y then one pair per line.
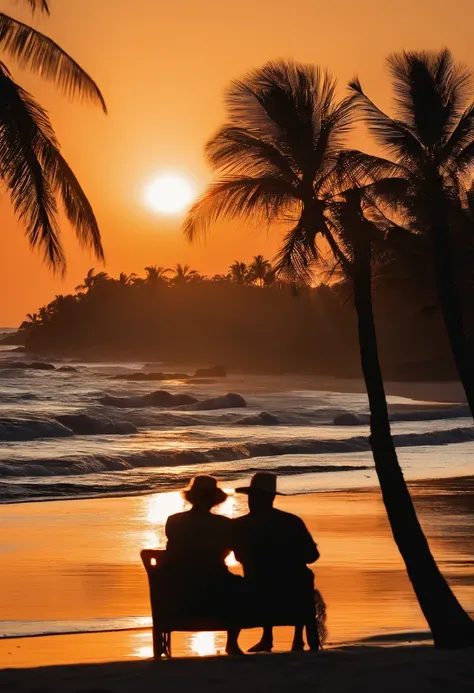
x,y
176,518
289,518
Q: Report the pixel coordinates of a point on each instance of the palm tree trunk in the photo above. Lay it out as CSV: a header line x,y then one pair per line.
x,y
450,306
450,625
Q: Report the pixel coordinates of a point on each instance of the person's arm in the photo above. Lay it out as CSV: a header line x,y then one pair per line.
x,y
235,540
309,549
169,528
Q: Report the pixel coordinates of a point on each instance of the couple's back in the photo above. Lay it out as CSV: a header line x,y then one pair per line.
x,y
258,540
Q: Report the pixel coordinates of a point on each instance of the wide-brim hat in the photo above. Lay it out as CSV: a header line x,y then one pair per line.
x,y
261,482
204,488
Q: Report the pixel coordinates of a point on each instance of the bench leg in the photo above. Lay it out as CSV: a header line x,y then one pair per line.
x,y
161,644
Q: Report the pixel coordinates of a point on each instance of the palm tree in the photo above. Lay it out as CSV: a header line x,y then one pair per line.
x,y
92,280
260,269
156,274
32,320
32,167
183,274
280,156
431,139
125,279
240,272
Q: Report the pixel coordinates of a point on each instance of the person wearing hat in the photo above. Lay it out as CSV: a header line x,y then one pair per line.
x,y
275,548
198,543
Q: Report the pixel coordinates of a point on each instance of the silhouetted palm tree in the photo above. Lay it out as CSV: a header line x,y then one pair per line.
x,y
279,157
156,274
260,269
125,279
32,168
32,320
92,280
183,274
431,139
240,272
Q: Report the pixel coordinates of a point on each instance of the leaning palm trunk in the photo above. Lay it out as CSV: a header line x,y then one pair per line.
x,y
450,625
447,289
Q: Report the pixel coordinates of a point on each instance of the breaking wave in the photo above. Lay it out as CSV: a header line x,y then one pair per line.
x,y
62,426
93,464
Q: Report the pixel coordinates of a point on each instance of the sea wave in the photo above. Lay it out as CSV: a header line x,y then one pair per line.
x,y
107,484
62,426
94,464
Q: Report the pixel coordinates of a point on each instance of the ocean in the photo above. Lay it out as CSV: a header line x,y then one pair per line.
x,y
81,433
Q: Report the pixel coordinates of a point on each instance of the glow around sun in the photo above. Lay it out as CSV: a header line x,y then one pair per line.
x,y
170,194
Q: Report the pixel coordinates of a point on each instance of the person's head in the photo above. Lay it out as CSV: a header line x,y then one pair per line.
x,y
204,493
261,492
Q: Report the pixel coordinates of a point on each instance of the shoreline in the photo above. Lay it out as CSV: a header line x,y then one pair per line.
x,y
414,483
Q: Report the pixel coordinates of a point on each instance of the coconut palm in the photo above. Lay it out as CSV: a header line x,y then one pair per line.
x,y
240,272
183,274
280,157
125,279
156,274
431,139
32,320
92,280
260,269
32,167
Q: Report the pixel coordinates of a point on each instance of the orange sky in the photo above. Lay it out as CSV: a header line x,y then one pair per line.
x,y
163,66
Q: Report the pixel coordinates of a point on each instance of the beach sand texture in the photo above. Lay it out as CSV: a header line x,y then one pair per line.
x,y
76,566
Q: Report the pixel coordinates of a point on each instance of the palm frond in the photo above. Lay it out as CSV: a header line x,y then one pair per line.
x,y
464,162
429,88
393,135
23,126
75,202
44,57
232,198
236,151
354,168
41,5
460,138
295,259
286,101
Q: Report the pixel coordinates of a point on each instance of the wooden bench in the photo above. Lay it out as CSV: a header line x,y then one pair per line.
x,y
168,616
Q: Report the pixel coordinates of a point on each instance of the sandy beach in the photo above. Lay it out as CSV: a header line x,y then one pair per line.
x,y
355,669
82,572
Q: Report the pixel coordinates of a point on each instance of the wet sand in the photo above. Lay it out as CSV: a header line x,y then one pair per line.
x,y
76,561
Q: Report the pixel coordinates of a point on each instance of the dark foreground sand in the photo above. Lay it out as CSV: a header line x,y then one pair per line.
x,y
414,669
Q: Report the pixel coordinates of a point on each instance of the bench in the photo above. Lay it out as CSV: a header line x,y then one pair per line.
x,y
168,613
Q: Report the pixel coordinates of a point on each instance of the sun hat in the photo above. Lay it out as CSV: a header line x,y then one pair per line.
x,y
261,482
204,488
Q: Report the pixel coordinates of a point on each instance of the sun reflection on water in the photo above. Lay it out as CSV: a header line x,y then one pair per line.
x,y
206,644
161,506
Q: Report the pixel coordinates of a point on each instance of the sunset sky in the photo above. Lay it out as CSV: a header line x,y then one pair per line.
x,y
163,67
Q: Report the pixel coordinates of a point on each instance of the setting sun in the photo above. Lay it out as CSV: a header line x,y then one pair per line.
x,y
170,194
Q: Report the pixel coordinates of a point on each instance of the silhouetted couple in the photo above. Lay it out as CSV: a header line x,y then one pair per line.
x,y
269,593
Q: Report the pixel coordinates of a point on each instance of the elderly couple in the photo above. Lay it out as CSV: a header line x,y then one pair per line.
x,y
274,548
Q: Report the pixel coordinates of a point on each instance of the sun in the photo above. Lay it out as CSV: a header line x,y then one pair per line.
x,y
170,194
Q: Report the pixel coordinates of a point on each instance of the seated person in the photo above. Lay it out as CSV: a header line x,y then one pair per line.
x,y
199,542
275,548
